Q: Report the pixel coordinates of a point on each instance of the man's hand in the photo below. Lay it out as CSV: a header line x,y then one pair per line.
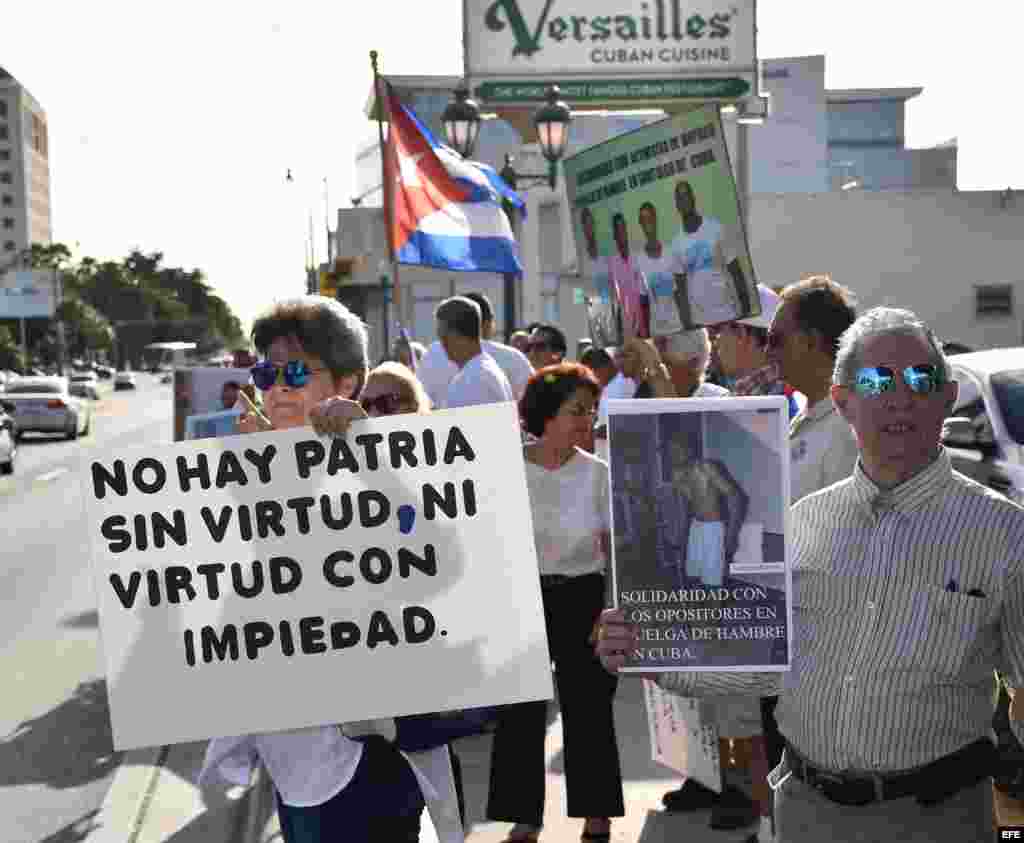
x,y
250,419
615,638
333,416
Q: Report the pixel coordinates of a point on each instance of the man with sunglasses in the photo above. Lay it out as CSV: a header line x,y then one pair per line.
x,y
547,346
908,591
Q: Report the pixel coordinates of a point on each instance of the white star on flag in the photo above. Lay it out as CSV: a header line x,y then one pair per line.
x,y
409,172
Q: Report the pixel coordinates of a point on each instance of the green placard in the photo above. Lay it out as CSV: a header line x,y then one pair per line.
x,y
598,90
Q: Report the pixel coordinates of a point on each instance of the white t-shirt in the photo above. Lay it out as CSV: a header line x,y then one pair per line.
x,y
570,513
513,363
702,256
823,449
435,372
480,381
661,282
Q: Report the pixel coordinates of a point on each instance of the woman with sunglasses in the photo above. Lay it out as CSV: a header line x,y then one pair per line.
x,y
568,490
330,782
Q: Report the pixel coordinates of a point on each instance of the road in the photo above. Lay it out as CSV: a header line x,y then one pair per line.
x,y
56,755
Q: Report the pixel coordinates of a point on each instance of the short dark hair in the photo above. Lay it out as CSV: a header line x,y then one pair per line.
x,y
324,327
647,206
548,389
821,306
553,336
484,303
597,358
459,315
232,384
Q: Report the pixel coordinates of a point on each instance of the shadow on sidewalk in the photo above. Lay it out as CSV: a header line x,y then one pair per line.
x,y
68,746
77,831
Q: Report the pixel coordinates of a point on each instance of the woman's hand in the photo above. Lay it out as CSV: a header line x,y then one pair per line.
x,y
249,420
333,416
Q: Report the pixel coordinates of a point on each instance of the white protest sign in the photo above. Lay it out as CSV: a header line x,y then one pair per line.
x,y
273,581
681,736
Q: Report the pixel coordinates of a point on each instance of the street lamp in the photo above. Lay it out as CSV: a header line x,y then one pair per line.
x,y
552,122
461,121
753,111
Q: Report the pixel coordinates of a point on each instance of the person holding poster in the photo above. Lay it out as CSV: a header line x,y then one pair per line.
x,y
569,503
909,590
331,782
710,283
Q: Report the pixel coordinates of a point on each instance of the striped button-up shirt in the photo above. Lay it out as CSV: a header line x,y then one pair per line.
x,y
903,604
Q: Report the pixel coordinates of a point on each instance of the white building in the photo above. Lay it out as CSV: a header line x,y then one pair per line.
x,y
24,171
833,189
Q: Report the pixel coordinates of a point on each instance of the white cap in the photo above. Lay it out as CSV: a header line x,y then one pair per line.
x,y
769,304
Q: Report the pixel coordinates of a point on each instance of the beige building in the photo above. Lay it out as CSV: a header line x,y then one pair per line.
x,y
24,171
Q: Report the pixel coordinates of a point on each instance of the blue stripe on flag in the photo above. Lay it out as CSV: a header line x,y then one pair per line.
x,y
443,251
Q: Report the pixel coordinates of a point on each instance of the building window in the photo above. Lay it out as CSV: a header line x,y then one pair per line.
x,y
7,201
10,246
6,177
993,300
5,155
8,222
3,108
4,133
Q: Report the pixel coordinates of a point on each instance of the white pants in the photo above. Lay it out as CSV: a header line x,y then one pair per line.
x,y
705,552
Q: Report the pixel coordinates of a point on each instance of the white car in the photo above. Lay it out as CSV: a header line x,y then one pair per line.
x,y
45,405
85,385
124,380
985,435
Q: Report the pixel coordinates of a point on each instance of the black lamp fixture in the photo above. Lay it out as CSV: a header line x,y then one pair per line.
x,y
461,121
552,121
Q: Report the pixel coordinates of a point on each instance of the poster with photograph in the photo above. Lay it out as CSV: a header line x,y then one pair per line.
x,y
683,735
700,499
657,221
206,389
212,425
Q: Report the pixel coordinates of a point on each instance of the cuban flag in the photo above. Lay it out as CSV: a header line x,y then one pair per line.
x,y
444,210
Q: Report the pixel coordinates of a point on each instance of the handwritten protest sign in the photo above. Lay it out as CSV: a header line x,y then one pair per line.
x,y
273,581
700,491
683,736
658,230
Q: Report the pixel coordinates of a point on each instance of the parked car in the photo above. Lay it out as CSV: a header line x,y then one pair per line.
x,y
8,440
85,385
985,434
105,372
124,380
45,405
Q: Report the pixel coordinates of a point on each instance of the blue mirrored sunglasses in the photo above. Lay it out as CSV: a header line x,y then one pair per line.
x,y
296,374
923,379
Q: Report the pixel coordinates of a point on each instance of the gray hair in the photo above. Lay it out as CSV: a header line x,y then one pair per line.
x,y
883,321
324,327
460,316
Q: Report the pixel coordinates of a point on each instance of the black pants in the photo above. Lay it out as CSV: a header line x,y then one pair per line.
x,y
774,743
382,802
593,777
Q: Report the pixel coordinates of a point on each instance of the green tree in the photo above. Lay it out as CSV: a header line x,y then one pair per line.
x,y
11,356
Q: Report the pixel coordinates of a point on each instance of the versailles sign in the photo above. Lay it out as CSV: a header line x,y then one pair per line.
x,y
610,50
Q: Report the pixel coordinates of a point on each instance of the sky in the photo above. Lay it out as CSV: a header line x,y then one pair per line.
x,y
172,126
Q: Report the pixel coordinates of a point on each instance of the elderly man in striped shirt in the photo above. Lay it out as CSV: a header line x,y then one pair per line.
x,y
908,591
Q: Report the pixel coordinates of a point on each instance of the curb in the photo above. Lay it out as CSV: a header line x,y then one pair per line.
x,y
123,811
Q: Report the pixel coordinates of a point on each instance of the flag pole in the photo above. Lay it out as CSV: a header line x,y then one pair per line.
x,y
391,293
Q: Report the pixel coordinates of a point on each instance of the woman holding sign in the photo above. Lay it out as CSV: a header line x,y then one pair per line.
x,y
331,782
569,502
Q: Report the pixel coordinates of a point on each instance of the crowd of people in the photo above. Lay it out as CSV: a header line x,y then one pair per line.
x,y
908,579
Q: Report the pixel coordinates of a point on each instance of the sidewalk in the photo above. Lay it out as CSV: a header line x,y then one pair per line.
x,y
154,798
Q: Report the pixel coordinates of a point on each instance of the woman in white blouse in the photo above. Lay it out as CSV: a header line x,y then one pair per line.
x,y
347,782
568,490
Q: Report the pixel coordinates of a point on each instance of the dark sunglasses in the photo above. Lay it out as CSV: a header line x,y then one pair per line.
x,y
924,379
385,404
296,374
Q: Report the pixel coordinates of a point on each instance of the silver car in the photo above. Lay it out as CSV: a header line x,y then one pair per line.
x,y
8,446
85,385
985,436
45,405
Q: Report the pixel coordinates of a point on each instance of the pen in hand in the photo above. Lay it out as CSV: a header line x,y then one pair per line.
x,y
255,410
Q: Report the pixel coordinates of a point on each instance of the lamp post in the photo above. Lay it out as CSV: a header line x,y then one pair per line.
x,y
461,120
